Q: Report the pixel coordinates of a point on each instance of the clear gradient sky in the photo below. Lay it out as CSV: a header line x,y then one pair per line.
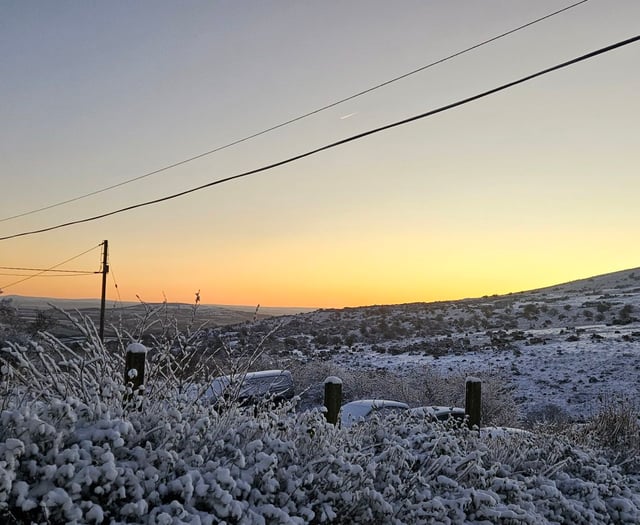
x,y
530,187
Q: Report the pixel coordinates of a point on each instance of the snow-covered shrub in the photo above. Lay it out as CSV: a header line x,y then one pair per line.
x,y
74,453
46,368
61,462
617,426
614,430
10,322
548,416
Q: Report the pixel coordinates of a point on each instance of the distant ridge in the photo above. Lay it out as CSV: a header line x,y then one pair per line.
x,y
603,282
22,301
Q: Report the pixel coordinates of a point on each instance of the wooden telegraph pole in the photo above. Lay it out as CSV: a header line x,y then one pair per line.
x,y
105,271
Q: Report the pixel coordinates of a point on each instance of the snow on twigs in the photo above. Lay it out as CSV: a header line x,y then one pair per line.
x,y
72,452
65,462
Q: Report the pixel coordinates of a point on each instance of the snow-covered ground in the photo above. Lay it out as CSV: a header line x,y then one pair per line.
x,y
566,349
574,376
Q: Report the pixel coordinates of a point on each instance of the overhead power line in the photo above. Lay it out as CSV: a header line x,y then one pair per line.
x,y
44,270
115,283
295,119
50,269
77,274
338,143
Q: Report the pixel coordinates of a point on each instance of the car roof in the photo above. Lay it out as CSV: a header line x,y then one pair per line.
x,y
356,410
253,375
376,403
435,410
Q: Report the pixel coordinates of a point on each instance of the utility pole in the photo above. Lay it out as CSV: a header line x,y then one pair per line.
x,y
105,271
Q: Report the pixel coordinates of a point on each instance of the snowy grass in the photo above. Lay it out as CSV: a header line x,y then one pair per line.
x,y
72,451
614,430
65,462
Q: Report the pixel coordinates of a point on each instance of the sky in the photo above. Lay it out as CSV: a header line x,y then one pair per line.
x,y
526,188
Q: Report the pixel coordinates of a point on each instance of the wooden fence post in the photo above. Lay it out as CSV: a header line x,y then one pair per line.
x,y
473,401
134,368
332,398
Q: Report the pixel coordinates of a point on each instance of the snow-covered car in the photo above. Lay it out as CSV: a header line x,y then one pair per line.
x,y
504,432
440,413
251,387
360,410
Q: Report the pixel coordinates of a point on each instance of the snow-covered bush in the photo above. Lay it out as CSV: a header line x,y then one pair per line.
x,y
71,451
614,430
63,462
45,368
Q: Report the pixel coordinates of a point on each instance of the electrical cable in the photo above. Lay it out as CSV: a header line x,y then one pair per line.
x,y
76,274
113,278
2,288
337,143
117,303
44,270
296,119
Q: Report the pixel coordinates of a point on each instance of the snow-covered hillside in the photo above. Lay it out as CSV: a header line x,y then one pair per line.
x,y
565,348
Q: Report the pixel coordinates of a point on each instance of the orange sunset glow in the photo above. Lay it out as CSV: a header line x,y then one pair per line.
x,y
529,187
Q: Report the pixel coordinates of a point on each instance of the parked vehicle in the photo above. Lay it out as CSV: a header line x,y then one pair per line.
x,y
360,410
440,413
504,433
252,387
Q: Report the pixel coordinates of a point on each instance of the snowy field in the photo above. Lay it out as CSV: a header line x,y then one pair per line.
x,y
574,376
565,349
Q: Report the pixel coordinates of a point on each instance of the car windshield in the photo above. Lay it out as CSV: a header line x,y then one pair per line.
x,y
252,384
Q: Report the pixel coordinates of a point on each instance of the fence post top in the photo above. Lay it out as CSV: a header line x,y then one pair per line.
x,y
472,379
333,380
136,348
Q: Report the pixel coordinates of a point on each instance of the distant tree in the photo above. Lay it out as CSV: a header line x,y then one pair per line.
x,y
382,327
9,313
350,339
291,342
42,322
624,315
11,326
336,340
487,310
603,306
530,311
